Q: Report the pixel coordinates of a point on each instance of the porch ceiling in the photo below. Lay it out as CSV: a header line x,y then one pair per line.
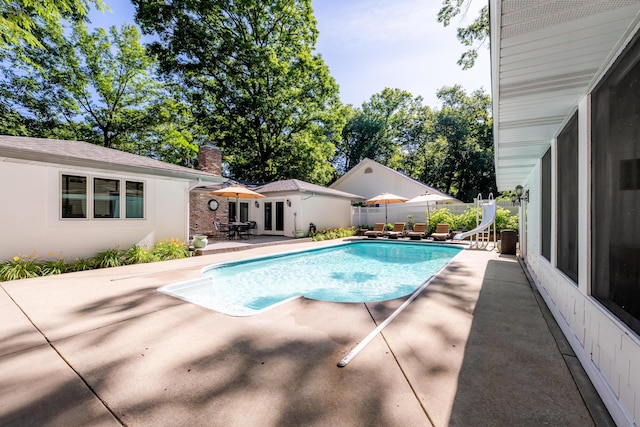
x,y
546,55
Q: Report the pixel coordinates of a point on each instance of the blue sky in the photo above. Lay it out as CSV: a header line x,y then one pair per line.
x,y
372,44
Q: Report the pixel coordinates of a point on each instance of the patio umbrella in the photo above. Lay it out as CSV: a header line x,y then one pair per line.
x,y
385,199
238,192
429,197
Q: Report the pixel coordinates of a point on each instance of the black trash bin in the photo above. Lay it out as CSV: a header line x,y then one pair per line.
x,y
508,242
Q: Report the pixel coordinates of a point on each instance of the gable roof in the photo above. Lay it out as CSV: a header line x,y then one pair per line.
x,y
84,154
366,162
298,186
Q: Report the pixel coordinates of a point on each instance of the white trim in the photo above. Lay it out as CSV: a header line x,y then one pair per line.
x,y
583,198
613,404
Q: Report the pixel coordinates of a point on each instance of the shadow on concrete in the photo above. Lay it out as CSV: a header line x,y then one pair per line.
x,y
184,365
513,372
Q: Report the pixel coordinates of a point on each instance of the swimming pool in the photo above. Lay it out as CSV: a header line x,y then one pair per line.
x,y
363,271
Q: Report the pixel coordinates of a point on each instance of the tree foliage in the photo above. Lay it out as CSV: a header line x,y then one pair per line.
x,y
389,125
460,160
258,90
474,35
22,20
98,87
450,149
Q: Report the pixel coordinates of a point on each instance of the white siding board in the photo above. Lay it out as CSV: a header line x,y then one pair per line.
x,y
40,230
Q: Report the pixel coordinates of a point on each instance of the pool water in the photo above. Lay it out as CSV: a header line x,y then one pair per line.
x,y
351,272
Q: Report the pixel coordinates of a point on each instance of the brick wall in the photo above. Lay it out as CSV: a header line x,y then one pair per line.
x,y
210,159
201,217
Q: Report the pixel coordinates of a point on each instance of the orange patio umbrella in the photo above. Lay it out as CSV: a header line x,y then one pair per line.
x,y
238,192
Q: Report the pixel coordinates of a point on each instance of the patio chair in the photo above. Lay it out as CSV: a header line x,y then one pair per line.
x,y
418,232
378,230
442,232
398,231
243,231
221,230
252,227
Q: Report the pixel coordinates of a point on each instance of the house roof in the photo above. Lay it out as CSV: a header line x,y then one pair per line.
x,y
545,57
298,186
84,154
366,162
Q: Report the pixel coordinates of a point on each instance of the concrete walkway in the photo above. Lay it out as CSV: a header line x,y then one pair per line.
x,y
104,348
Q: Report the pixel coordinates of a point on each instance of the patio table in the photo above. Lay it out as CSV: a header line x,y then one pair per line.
x,y
234,229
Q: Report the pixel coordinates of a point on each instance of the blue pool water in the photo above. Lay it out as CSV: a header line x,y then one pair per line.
x,y
351,272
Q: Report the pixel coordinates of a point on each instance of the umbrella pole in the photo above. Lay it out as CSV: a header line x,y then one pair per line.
x,y
385,214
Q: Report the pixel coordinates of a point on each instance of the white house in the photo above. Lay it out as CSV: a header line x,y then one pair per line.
x,y
370,178
73,199
293,204
566,104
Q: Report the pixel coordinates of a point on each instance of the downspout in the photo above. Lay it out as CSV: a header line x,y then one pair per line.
x,y
302,199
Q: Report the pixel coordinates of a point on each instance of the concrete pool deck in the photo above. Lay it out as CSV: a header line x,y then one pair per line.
x,y
477,347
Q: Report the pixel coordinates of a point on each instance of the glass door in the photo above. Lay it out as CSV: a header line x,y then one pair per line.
x,y
244,212
274,218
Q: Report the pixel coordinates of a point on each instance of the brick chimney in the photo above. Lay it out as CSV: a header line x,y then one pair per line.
x,y
210,159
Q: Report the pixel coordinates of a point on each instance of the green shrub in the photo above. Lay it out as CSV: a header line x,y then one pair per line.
x,y
410,223
109,258
170,249
442,216
20,267
333,233
53,267
138,255
506,221
467,220
82,264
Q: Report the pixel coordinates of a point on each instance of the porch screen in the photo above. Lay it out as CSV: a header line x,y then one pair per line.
x,y
546,205
567,202
615,197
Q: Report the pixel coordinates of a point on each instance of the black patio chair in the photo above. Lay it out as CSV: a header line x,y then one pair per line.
x,y
243,231
252,228
222,230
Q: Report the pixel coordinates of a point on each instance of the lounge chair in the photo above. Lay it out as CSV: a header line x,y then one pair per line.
x,y
377,231
419,231
398,231
442,232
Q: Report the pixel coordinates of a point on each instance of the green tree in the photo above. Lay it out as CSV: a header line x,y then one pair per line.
x,y
362,137
459,161
388,128
99,87
22,20
474,35
258,90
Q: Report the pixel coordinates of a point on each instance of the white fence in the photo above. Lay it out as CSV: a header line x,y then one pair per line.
x,y
399,212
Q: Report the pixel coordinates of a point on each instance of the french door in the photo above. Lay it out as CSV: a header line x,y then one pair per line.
x,y
274,218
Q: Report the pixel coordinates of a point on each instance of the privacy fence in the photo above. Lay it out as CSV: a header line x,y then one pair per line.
x,y
399,212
